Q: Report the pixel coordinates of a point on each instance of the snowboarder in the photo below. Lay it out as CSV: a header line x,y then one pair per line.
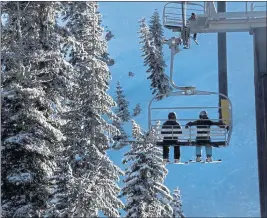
x,y
203,128
170,131
193,17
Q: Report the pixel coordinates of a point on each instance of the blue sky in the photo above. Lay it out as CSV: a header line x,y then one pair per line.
x,y
229,189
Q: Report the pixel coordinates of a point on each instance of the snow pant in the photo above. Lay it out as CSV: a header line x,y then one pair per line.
x,y
195,36
207,148
202,141
166,151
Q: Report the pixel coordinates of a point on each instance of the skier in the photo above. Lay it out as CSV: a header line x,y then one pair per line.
x,y
203,128
193,17
171,128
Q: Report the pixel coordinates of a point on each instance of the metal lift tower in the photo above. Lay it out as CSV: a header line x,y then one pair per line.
x,y
252,20
222,59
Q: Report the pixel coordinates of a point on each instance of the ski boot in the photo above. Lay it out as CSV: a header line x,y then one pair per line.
x,y
198,159
176,160
208,159
165,161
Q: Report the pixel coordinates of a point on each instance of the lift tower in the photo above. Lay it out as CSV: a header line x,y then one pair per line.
x,y
222,60
252,20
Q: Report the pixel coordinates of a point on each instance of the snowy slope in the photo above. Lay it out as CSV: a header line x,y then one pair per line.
x,y
228,189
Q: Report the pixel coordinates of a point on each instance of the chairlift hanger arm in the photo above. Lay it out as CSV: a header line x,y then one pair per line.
x,y
173,46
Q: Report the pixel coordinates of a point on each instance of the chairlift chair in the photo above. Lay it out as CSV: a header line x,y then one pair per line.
x,y
219,136
176,18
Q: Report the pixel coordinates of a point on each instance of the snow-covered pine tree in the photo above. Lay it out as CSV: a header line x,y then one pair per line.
x,y
122,112
146,196
177,204
156,30
92,185
34,80
122,135
137,110
153,58
122,109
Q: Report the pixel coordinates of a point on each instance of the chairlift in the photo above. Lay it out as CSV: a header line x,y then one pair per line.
x,y
220,136
176,18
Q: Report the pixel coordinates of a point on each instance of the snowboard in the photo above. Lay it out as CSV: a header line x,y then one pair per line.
x,y
204,162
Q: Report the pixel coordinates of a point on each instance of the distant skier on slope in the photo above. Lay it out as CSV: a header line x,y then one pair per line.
x,y
170,129
203,134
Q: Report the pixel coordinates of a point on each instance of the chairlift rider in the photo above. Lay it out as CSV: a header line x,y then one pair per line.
x,y
193,17
170,130
186,32
203,134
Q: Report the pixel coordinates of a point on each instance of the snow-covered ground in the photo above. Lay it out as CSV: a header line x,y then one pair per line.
x,y
228,189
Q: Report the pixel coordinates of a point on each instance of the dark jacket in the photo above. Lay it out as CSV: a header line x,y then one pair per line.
x,y
203,127
174,128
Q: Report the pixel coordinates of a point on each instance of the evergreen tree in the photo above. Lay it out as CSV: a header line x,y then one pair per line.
x,y
34,80
177,204
122,110
156,30
137,110
153,58
93,175
145,193
123,114
122,135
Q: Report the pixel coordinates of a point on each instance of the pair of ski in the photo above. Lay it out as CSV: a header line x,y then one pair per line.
x,y
193,161
187,47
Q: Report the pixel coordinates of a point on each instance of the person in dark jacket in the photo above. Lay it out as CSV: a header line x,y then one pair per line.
x,y
193,17
171,129
203,130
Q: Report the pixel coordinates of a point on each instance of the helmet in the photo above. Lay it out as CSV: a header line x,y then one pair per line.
x,y
172,116
203,115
